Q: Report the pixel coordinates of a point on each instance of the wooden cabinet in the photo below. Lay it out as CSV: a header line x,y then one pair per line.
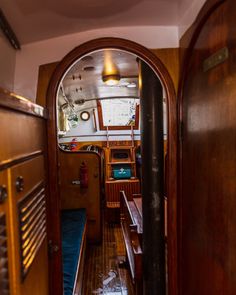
x,y
120,156
120,160
23,233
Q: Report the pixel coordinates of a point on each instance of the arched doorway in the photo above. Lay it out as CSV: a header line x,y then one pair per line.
x,y
54,202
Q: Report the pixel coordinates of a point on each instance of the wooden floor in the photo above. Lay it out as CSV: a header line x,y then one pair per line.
x,y
102,273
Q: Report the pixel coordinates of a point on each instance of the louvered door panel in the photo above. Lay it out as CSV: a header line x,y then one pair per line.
x,y
29,224
32,224
6,281
4,272
23,241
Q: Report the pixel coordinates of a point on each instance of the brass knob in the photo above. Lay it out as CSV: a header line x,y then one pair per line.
x,y
20,184
3,193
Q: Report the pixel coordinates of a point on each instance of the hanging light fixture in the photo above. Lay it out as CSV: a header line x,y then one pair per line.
x,y
110,74
111,79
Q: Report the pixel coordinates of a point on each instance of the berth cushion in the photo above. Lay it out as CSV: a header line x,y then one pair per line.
x,y
73,225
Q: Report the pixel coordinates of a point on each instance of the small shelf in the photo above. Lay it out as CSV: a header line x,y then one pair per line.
x,y
123,156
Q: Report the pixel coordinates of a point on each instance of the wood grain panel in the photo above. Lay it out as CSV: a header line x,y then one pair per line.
x,y
208,220
6,282
72,196
170,58
12,101
113,188
4,267
36,281
16,135
44,76
189,37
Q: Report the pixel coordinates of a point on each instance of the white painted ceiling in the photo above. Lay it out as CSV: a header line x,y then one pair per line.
x,y
34,20
82,84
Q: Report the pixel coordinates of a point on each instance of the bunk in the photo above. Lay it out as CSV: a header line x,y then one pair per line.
x,y
73,223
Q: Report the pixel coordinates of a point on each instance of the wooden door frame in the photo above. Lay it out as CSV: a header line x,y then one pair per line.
x,y
54,198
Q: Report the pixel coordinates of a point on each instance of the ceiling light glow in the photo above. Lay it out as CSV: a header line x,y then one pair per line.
x,y
131,85
111,80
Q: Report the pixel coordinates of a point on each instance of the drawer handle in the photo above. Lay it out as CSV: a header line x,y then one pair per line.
x,y
3,193
20,184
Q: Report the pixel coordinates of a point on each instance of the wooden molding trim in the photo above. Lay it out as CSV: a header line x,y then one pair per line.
x,y
11,162
161,71
20,104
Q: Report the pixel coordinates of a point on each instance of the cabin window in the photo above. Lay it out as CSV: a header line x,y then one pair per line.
x,y
118,114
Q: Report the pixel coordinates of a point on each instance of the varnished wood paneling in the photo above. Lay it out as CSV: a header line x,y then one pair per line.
x,y
170,58
22,154
36,280
188,39
113,188
17,138
18,103
6,250
73,196
44,76
208,166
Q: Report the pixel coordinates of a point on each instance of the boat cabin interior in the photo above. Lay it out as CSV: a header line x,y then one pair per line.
x,y
117,153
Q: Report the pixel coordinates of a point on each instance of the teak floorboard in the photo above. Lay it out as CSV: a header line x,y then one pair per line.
x,y
102,274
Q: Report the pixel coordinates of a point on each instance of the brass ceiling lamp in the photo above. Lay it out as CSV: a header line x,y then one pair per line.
x,y
110,75
111,79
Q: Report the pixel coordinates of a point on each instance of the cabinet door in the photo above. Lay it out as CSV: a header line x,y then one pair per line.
x,y
6,279
28,208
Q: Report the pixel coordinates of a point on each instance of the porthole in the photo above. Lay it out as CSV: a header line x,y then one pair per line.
x,y
84,116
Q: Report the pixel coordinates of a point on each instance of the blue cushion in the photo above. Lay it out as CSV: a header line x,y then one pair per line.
x,y
72,223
